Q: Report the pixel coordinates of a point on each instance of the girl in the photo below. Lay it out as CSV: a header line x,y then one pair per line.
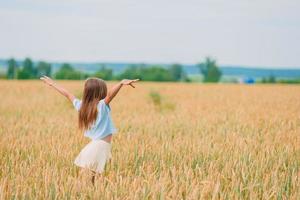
x,y
94,119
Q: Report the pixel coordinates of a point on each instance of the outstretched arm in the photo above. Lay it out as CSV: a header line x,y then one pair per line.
x,y
58,88
114,91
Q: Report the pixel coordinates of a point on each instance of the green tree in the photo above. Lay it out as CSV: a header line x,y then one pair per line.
x,y
43,68
177,73
66,71
104,73
131,72
147,73
272,79
152,73
12,71
155,73
210,70
28,71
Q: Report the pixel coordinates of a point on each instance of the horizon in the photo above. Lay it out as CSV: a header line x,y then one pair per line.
x,y
261,34
157,63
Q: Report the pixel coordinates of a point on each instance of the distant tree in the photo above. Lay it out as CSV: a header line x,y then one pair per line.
x,y
104,73
28,71
272,79
29,67
155,73
66,71
12,71
210,70
131,72
290,81
22,74
43,68
66,67
176,71
151,73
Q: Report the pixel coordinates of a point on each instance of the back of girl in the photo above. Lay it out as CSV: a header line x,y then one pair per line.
x,y
94,119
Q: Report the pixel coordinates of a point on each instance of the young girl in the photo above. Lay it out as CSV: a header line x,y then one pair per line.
x,y
94,119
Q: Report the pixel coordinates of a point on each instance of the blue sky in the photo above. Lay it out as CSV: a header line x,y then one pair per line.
x,y
262,33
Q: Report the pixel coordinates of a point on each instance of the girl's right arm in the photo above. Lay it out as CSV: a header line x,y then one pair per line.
x,y
114,91
58,88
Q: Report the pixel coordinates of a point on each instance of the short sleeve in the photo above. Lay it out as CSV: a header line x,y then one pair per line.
x,y
76,104
104,105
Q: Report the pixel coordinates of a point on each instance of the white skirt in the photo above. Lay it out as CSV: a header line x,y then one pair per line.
x,y
94,155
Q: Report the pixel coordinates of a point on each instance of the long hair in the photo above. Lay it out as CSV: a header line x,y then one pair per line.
x,y
95,89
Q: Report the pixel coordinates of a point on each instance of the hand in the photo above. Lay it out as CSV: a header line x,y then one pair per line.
x,y
129,82
47,80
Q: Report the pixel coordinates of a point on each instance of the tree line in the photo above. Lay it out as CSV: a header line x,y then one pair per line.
x,y
29,70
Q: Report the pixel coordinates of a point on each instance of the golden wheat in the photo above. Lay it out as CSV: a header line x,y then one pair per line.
x,y
192,141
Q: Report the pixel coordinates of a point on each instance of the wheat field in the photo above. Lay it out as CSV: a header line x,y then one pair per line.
x,y
174,141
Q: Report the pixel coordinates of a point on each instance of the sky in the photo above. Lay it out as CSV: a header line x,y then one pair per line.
x,y
258,33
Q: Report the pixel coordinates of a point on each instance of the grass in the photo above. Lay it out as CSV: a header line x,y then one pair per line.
x,y
160,103
219,142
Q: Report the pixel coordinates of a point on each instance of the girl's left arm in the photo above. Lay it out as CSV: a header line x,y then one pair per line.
x,y
58,88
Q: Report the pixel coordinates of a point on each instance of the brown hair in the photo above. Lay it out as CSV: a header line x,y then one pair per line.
x,y
94,90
